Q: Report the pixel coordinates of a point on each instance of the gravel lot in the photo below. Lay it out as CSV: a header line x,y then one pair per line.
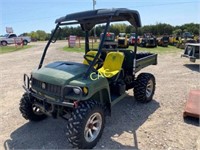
x,y
156,125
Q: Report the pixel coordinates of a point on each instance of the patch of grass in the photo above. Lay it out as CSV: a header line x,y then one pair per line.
x,y
7,49
74,49
80,49
158,49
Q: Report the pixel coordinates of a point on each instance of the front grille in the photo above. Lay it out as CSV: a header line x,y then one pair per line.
x,y
47,87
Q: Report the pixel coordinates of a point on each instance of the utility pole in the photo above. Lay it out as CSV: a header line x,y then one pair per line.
x,y
95,39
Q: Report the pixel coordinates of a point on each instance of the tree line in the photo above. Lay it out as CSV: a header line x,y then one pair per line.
x,y
157,29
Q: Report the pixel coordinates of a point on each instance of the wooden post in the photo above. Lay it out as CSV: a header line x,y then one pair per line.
x,y
79,41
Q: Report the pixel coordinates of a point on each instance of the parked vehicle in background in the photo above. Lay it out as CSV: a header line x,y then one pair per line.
x,y
148,40
109,41
186,37
182,42
197,38
192,51
11,38
163,40
132,40
122,40
173,40
179,40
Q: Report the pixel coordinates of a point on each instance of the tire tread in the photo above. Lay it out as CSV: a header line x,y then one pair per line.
x,y
140,87
75,125
27,111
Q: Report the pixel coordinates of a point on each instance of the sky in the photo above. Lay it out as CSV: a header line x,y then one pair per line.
x,y
31,15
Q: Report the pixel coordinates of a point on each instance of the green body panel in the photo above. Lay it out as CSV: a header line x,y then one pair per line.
x,y
56,77
118,99
93,86
71,74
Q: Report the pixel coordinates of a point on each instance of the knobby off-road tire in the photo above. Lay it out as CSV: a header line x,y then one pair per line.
x,y
28,110
144,87
86,121
25,42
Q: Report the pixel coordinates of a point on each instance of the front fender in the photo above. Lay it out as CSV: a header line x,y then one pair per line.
x,y
93,85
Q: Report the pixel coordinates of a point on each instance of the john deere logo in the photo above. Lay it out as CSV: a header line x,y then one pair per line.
x,y
43,86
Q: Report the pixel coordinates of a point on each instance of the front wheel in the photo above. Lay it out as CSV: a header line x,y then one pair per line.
x,y
86,124
25,42
144,87
30,111
4,43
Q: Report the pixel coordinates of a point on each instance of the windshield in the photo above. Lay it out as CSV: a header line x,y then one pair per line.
x,y
166,38
109,36
122,34
132,34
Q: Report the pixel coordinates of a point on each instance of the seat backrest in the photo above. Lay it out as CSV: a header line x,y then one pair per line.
x,y
113,61
91,53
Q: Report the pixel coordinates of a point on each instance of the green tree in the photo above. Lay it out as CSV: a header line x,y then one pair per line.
x,y
157,29
33,35
42,35
177,32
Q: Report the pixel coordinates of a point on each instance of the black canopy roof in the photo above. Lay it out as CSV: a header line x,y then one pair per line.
x,y
88,19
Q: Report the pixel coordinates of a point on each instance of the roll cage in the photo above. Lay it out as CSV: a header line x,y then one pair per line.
x,y
88,19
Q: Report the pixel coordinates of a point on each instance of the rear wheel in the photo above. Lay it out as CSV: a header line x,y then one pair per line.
x,y
86,124
4,43
25,42
144,87
28,110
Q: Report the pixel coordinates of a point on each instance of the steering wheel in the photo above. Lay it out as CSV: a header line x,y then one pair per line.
x,y
90,58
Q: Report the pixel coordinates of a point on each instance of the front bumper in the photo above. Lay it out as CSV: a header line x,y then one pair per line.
x,y
44,98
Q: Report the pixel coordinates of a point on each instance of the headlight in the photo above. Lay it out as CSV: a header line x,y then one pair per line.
x,y
76,91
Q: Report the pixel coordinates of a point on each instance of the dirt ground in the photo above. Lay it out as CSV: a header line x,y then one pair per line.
x,y
156,125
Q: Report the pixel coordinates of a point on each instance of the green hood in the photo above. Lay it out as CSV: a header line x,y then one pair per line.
x,y
60,73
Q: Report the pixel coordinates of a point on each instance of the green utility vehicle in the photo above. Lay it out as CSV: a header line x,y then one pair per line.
x,y
84,93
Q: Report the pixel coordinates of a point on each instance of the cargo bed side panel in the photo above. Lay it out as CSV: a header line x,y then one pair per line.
x,y
146,61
